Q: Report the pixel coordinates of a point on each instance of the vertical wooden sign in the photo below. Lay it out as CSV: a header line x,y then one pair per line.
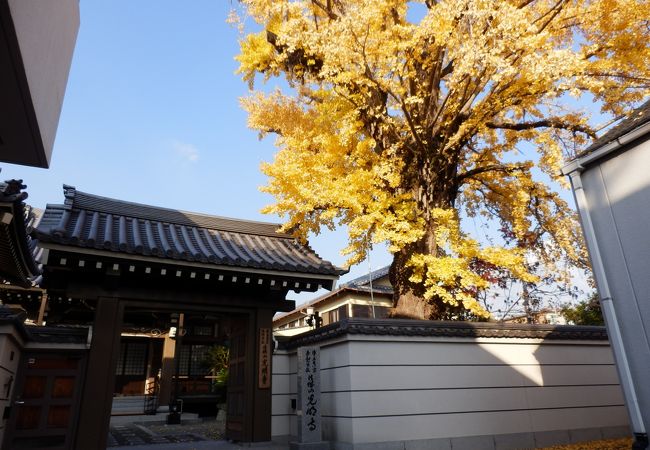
x,y
264,358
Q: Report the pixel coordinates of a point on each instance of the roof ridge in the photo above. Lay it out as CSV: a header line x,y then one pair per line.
x,y
84,200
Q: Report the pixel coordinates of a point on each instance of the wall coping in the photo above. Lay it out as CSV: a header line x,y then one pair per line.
x,y
430,328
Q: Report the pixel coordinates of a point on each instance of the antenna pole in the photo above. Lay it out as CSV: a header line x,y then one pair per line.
x,y
372,297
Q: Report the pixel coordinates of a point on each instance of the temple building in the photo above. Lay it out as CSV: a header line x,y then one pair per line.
x,y
165,297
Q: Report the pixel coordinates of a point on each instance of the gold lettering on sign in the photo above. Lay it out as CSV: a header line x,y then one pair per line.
x,y
264,378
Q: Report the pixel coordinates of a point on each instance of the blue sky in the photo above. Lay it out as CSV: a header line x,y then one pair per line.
x,y
151,115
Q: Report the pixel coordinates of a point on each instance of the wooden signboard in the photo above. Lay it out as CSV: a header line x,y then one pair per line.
x,y
264,376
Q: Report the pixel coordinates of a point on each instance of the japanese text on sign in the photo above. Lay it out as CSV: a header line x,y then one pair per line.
x,y
264,378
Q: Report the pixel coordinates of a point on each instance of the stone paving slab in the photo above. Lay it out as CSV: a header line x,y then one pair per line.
x,y
134,435
203,445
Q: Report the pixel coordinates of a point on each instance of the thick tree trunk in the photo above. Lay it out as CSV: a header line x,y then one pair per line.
x,y
408,298
433,184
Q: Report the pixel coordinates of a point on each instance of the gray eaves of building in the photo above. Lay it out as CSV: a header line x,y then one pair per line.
x,y
634,126
87,221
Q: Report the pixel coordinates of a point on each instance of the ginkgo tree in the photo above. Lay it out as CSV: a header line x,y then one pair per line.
x,y
404,119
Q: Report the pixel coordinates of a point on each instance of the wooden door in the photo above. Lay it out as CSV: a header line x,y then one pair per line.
x,y
236,392
46,401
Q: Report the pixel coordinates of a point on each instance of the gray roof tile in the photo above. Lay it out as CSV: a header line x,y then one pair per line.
x,y
637,118
91,221
364,280
430,328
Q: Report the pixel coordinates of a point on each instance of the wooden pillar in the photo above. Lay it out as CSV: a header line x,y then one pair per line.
x,y
150,372
97,397
261,412
168,370
41,310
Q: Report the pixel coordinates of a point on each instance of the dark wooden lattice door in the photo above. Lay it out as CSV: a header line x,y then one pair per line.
x,y
236,393
46,402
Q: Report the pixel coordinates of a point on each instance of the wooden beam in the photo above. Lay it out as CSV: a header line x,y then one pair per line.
x,y
261,411
168,370
41,310
171,297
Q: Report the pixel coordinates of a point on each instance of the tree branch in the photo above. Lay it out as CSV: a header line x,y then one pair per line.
x,y
510,168
546,123
327,9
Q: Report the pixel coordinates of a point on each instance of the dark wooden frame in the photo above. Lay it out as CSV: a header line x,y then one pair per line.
x,y
75,402
97,397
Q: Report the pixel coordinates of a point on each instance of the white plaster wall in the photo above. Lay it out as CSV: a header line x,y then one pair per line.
x,y
383,389
9,358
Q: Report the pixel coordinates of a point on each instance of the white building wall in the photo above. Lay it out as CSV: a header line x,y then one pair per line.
x,y
10,347
46,32
426,391
617,193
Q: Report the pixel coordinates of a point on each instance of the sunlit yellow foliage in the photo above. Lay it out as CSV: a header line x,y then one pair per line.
x,y
406,118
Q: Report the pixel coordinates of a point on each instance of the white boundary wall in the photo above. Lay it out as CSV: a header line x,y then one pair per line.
x,y
11,343
417,392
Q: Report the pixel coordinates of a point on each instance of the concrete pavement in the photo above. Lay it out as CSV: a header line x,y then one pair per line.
x,y
203,445
129,432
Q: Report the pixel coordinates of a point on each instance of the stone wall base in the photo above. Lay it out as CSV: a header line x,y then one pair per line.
x,y
322,445
514,441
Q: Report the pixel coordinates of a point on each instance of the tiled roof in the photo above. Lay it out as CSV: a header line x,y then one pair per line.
x,y
18,251
394,327
638,117
364,280
58,335
94,222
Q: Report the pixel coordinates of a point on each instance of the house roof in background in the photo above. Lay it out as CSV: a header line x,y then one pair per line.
x,y
365,280
357,285
94,222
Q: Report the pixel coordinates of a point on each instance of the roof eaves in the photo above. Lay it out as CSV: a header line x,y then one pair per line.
x,y
635,126
372,276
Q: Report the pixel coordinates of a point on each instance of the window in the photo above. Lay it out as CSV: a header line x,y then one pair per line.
x,y
132,359
361,311
327,317
335,315
193,360
203,330
381,312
